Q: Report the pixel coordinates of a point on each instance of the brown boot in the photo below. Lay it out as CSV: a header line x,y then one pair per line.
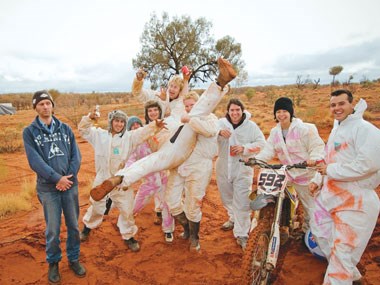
x,y
226,72
100,191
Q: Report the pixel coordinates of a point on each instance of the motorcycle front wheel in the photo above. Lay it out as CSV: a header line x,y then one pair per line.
x,y
255,255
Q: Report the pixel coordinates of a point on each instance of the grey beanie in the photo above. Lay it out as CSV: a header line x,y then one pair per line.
x,y
120,115
41,95
132,120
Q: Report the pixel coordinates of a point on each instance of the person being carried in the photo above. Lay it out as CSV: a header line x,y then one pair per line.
x,y
154,184
192,177
293,141
175,151
346,204
54,155
112,147
239,138
170,99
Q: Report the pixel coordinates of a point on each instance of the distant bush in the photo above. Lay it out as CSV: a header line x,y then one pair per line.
x,y
250,93
23,101
14,202
366,83
11,140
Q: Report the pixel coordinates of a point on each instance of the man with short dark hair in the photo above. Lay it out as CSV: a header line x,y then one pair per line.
x,y
347,206
54,155
239,138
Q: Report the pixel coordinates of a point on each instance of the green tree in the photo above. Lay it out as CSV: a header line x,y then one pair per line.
x,y
167,45
334,71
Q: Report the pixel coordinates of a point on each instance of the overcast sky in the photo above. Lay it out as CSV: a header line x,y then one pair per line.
x,y
88,45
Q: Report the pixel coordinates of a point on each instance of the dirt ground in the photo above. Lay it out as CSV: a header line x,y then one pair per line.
x,y
107,259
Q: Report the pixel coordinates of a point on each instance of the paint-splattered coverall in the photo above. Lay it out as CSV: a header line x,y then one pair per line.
x,y
173,154
110,152
301,143
193,176
152,184
347,207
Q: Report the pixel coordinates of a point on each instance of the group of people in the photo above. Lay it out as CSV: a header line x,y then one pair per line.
x,y
172,154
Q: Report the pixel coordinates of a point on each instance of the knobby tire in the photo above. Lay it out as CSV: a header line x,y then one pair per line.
x,y
255,255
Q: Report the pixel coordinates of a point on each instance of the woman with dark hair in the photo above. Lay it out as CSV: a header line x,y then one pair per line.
x,y
294,141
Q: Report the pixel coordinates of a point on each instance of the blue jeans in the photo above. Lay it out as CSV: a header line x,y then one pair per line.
x,y
55,202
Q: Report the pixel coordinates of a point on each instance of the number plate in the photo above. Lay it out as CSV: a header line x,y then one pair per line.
x,y
270,180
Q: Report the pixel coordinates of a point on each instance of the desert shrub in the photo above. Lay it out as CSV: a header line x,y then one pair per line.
x,y
271,96
297,96
3,169
249,93
23,101
307,115
11,140
366,83
12,203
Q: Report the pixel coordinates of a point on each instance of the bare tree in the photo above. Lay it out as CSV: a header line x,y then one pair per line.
x,y
316,83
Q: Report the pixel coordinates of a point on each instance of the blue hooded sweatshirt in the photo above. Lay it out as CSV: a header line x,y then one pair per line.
x,y
51,155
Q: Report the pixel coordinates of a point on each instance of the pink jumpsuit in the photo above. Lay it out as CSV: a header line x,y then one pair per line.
x,y
154,184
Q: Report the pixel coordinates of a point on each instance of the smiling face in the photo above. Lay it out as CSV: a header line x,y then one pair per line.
x,y
189,104
235,112
340,107
135,126
117,125
174,90
44,109
283,117
153,113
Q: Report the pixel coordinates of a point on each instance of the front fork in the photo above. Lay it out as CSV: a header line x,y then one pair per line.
x,y
274,244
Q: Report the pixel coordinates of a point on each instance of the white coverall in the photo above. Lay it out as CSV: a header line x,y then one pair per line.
x,y
302,143
110,152
176,106
347,207
171,155
234,179
193,176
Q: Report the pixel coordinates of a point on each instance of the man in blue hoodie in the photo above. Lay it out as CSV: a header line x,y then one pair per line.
x,y
53,154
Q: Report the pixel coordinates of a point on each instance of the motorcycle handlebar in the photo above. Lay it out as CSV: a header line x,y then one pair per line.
x,y
263,164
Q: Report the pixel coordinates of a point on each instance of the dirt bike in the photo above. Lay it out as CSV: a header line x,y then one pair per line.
x,y
272,210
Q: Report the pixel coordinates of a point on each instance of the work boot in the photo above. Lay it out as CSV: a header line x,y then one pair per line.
x,y
99,192
194,236
53,273
132,244
158,218
226,72
227,226
77,268
84,233
182,220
